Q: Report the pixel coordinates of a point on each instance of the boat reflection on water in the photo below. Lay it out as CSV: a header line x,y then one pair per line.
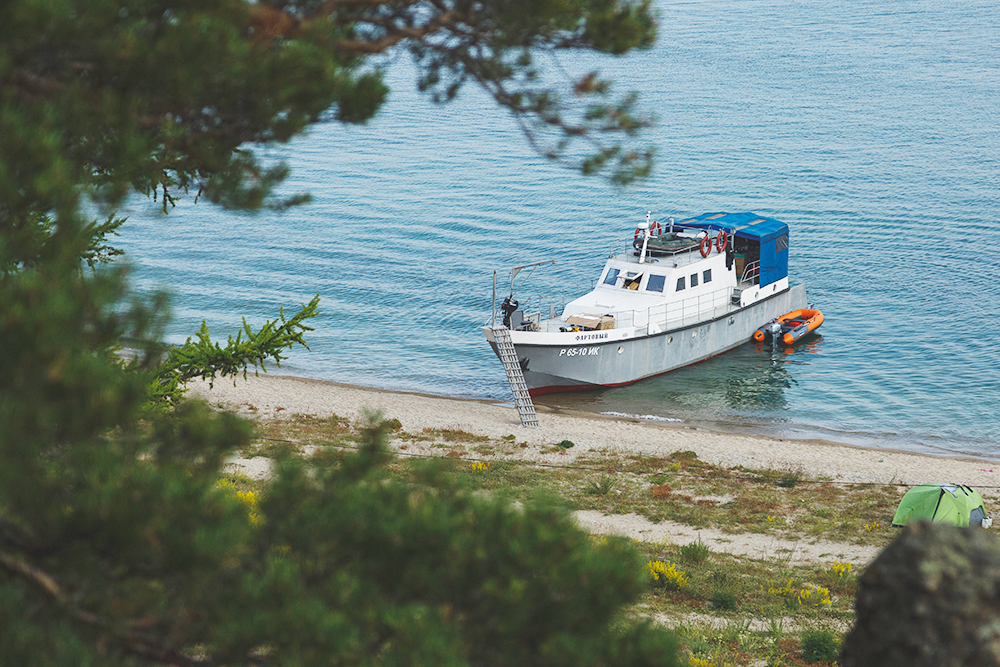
x,y
810,344
744,387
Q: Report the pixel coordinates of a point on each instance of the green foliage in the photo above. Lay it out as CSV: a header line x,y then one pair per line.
x,y
565,444
391,425
119,545
26,241
207,360
723,599
814,595
789,478
104,520
167,97
838,577
695,552
602,486
819,645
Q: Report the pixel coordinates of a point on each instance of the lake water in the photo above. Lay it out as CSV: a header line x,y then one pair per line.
x,y
872,129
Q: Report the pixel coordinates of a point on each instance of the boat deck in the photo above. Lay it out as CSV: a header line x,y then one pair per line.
x,y
654,320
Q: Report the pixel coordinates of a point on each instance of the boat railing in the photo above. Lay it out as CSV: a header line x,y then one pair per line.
x,y
535,313
751,274
685,312
542,309
674,315
682,258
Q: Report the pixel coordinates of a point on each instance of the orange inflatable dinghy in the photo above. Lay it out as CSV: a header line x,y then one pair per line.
x,y
790,327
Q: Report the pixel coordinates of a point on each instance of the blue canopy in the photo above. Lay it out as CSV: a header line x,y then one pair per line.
x,y
771,234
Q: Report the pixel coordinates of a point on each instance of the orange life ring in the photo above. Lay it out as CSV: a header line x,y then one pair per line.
x,y
637,233
720,241
706,245
655,229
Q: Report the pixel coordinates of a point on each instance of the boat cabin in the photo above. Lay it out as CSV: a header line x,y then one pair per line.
x,y
698,268
760,244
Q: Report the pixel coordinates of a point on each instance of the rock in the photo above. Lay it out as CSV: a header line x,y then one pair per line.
x,y
930,599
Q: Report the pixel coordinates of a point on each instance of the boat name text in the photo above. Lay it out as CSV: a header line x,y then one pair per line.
x,y
594,336
579,352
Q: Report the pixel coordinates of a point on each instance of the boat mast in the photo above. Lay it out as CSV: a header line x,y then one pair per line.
x,y
644,226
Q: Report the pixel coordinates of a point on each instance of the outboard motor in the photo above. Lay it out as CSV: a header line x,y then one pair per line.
x,y
508,306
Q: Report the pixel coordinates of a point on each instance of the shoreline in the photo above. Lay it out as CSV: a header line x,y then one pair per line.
x,y
277,396
787,431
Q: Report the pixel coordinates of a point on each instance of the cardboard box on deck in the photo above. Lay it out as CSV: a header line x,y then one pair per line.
x,y
603,322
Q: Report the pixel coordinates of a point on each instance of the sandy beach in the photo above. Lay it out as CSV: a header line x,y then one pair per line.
x,y
270,396
275,396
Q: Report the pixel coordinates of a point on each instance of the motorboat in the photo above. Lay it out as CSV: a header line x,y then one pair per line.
x,y
676,294
790,327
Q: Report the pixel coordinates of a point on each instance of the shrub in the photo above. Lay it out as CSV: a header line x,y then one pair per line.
x,y
661,491
787,591
666,575
248,498
565,444
601,487
789,478
837,574
724,600
820,646
814,596
391,425
695,552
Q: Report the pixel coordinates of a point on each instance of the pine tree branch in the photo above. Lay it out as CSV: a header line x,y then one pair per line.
x,y
202,358
395,36
139,644
33,575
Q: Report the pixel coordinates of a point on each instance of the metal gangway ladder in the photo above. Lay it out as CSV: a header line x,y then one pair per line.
x,y
525,408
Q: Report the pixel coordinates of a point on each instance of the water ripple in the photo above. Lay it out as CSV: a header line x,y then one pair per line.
x,y
870,129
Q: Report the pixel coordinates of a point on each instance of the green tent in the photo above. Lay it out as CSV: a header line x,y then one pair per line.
x,y
946,503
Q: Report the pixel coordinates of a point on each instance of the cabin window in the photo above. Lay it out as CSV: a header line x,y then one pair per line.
x,y
611,277
632,281
706,276
781,243
655,283
680,284
694,280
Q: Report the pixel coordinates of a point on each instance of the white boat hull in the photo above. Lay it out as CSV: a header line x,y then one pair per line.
x,y
621,359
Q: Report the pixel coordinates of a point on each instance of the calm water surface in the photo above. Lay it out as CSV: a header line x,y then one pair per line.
x,y
871,129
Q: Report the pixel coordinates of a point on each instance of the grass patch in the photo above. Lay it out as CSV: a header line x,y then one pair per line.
x,y
695,552
723,599
819,645
453,435
758,606
602,486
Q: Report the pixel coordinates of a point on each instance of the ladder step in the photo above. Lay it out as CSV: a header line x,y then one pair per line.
x,y
515,376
